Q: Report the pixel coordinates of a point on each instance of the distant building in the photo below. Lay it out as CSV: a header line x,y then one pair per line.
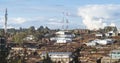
x,y
110,34
63,57
111,30
91,44
100,42
63,37
82,31
29,37
99,35
113,57
115,54
17,48
108,60
118,32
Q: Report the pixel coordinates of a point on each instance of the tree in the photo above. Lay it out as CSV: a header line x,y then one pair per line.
x,y
2,32
99,60
40,28
18,37
109,28
31,30
76,54
47,59
12,30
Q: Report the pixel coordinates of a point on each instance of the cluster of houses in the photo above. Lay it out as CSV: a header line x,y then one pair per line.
x,y
64,37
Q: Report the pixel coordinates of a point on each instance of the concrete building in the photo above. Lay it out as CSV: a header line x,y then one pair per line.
x,y
29,37
98,35
113,57
63,37
100,42
115,54
63,57
110,34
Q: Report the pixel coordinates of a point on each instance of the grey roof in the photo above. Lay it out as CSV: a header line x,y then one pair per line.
x,y
57,53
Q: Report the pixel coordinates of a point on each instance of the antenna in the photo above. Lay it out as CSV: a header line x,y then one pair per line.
x,y
65,21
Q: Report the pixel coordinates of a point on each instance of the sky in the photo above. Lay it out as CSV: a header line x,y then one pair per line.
x,y
79,14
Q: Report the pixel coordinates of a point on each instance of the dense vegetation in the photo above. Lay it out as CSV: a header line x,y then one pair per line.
x,y
18,35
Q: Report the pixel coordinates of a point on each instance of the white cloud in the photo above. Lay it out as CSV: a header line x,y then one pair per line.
x,y
38,18
112,24
1,19
18,20
97,16
8,27
54,21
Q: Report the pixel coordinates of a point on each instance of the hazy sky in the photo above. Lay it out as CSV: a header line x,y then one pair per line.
x,y
92,14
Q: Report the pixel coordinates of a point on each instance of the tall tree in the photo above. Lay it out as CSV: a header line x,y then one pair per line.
x,y
41,28
47,59
76,54
31,30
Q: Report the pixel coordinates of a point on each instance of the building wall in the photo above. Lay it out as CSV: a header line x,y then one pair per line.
x,y
62,60
108,60
63,57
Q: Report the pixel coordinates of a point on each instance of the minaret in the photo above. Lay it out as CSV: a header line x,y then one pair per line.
x,y
5,24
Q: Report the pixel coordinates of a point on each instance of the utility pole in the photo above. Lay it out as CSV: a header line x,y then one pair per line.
x,y
65,21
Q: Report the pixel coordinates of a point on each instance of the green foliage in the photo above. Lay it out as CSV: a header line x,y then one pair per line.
x,y
31,30
41,28
16,61
76,54
47,59
1,32
94,49
109,28
18,37
38,36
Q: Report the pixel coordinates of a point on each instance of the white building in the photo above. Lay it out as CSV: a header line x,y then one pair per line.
x,y
98,35
100,42
113,57
105,41
63,37
63,57
115,54
29,37
110,34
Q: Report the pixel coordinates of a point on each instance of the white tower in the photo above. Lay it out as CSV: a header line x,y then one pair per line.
x,y
5,24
